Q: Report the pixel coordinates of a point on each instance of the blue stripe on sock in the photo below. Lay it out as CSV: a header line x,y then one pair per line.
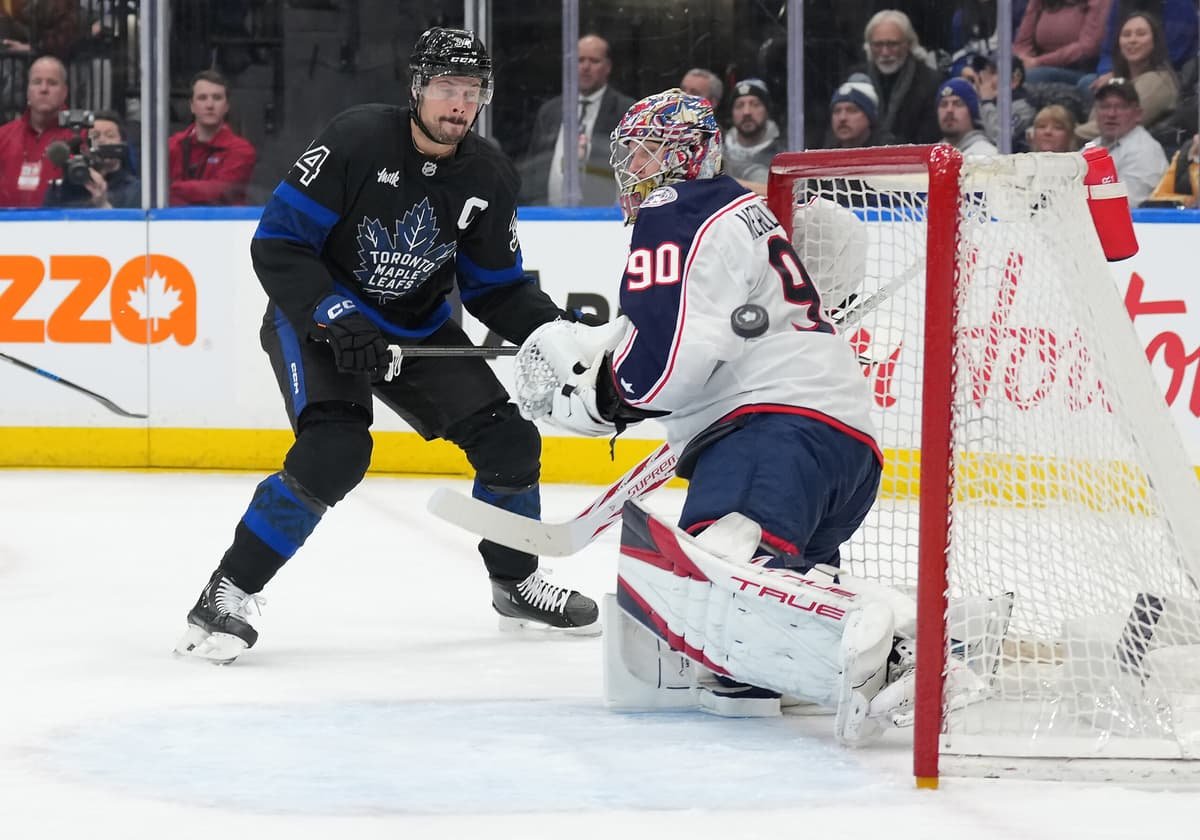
x,y
521,502
278,518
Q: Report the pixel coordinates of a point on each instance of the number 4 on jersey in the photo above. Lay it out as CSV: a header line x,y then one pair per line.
x,y
310,164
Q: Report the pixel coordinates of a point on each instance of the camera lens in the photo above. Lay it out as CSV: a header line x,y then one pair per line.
x,y
77,172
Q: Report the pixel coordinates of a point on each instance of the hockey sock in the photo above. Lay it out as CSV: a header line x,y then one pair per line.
x,y
503,562
279,519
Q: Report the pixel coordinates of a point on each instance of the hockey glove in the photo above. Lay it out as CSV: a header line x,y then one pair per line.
x,y
357,344
554,353
574,404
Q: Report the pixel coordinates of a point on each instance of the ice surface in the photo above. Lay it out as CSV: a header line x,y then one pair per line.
x,y
381,700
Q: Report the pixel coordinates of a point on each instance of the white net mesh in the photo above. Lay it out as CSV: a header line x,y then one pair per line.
x,y
1071,488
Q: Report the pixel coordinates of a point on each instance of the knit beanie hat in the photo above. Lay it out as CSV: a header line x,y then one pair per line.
x,y
753,87
858,91
965,91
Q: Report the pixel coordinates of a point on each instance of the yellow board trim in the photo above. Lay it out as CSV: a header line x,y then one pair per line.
x,y
1018,481
564,460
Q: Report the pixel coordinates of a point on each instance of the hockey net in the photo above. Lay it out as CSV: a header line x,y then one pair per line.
x,y
1030,460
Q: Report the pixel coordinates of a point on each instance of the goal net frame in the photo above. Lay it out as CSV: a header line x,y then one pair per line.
x,y
942,177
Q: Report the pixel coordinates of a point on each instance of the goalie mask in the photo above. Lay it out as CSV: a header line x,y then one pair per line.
x,y
448,52
663,139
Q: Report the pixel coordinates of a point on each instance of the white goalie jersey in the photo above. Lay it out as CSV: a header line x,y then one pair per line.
x,y
699,250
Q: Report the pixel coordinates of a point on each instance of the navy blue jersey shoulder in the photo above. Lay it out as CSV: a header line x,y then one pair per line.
x,y
364,214
678,219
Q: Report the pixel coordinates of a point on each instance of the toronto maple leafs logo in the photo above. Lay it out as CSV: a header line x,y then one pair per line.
x,y
392,266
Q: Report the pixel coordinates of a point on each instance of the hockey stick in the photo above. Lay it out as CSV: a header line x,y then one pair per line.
x,y
555,539
400,352
104,401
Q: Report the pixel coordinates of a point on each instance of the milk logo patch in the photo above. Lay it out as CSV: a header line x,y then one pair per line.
x,y
393,265
392,179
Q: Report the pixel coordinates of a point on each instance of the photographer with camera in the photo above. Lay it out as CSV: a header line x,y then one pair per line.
x,y
97,174
25,173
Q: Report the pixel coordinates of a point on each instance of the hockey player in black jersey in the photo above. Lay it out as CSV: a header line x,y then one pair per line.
x,y
357,249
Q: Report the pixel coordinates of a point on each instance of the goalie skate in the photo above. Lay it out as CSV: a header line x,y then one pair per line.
x,y
217,627
536,604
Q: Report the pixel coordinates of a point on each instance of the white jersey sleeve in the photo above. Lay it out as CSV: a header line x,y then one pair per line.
x,y
699,250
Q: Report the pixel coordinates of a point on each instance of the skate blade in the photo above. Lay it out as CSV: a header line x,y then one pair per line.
x,y
217,648
509,624
723,705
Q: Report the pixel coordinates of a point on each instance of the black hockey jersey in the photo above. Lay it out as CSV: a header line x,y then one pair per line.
x,y
363,214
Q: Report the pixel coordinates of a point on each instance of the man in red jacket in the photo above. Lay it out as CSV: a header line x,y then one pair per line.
x,y
209,163
25,173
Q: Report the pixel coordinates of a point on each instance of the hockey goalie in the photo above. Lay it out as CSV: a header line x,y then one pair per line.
x,y
742,602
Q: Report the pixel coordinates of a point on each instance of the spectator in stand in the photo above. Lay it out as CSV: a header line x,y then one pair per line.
x,y
25,173
1181,182
704,83
113,185
905,83
985,76
958,118
53,24
1053,131
209,163
1186,120
1142,58
601,107
753,139
1178,18
1139,158
1059,40
853,116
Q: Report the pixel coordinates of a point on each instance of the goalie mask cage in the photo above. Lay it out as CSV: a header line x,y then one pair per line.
x,y
1032,465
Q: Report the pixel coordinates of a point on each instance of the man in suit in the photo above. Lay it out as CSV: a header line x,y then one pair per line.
x,y
600,109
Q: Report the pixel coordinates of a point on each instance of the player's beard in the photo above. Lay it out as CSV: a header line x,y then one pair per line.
x,y
450,131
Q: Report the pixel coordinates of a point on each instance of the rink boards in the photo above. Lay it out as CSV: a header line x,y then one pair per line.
x,y
162,317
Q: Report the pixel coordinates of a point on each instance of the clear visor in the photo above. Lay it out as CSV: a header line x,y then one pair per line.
x,y
468,89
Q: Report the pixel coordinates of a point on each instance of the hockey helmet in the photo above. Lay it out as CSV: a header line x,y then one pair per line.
x,y
678,131
449,52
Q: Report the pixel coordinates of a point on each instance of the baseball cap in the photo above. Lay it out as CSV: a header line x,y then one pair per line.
x,y
1119,86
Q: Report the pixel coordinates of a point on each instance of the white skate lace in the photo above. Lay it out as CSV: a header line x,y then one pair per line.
x,y
543,594
233,600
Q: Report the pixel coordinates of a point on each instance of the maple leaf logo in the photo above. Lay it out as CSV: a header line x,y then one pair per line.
x,y
154,300
392,265
418,230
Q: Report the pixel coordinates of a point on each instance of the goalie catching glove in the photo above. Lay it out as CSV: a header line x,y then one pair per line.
x,y
556,371
357,344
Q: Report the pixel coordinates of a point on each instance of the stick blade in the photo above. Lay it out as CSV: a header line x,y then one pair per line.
x,y
519,532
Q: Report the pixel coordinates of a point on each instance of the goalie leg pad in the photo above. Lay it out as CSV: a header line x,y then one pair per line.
x,y
641,672
767,627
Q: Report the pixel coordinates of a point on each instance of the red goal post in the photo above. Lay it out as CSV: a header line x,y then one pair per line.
x,y
1037,496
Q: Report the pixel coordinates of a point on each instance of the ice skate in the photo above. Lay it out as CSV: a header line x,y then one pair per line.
x,y
217,626
730,698
536,603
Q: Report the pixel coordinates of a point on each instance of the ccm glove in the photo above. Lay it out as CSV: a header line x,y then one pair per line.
x,y
357,344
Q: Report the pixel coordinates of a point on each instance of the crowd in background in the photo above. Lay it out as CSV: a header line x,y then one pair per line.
x,y
1118,73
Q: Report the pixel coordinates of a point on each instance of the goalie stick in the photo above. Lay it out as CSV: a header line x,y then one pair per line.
x,y
555,539
53,377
